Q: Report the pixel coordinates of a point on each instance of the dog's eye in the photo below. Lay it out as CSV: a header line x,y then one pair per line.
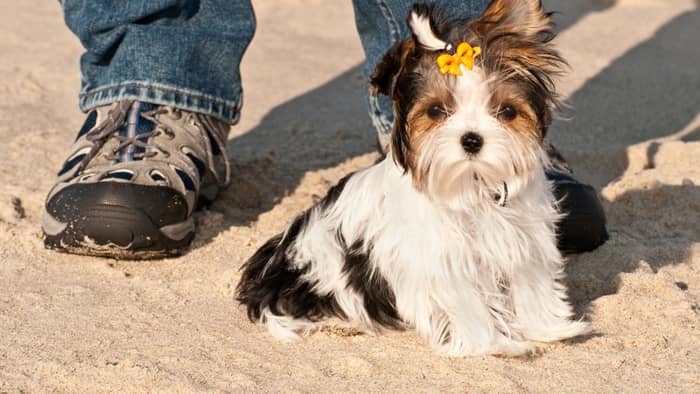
x,y
437,113
507,113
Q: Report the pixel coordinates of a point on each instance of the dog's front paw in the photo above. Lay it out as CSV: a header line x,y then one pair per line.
x,y
556,332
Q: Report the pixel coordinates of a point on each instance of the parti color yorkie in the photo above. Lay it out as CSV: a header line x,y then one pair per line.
x,y
453,233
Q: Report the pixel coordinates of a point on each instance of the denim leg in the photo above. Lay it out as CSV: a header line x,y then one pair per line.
x,y
381,23
182,53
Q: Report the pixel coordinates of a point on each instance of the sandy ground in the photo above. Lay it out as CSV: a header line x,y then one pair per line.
x,y
80,324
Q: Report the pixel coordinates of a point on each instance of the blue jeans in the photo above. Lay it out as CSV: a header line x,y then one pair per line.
x,y
186,53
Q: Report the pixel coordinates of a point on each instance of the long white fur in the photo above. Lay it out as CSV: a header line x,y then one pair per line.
x,y
471,276
420,26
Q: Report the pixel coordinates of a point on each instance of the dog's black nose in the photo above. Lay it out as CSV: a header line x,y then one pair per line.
x,y
472,142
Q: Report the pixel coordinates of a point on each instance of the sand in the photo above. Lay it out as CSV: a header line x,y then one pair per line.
x,y
82,324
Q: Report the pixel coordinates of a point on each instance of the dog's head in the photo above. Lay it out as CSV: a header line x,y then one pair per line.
x,y
464,132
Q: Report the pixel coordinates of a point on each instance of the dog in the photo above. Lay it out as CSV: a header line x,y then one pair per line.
x,y
453,233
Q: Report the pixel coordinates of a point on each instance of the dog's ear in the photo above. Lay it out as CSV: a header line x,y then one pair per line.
x,y
427,23
526,17
383,79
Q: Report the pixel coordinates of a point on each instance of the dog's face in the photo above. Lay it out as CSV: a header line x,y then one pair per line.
x,y
465,137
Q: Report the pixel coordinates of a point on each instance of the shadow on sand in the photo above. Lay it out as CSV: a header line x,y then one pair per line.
x,y
314,131
648,93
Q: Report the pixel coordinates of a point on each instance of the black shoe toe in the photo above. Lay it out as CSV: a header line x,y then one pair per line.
x,y
120,220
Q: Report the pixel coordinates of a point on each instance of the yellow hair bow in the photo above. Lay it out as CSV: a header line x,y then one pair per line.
x,y
465,54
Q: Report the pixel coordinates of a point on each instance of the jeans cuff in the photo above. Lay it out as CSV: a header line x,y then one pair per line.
x,y
156,93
